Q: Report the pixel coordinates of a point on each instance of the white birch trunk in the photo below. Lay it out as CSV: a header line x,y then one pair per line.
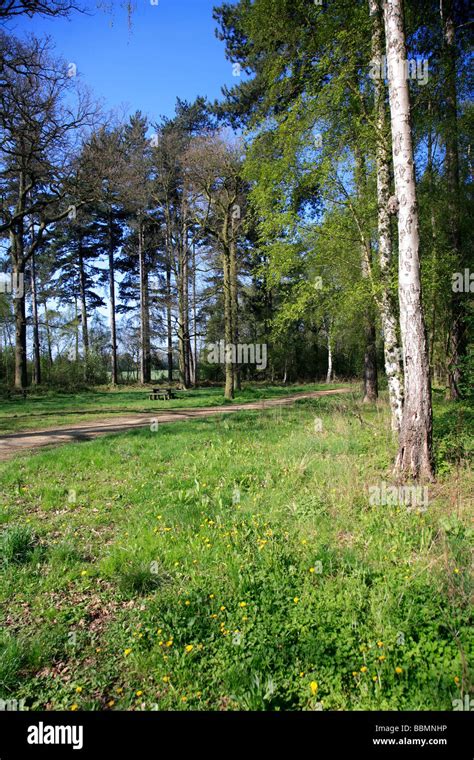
x,y
414,456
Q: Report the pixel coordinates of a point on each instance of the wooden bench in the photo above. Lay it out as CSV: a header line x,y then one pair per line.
x,y
161,394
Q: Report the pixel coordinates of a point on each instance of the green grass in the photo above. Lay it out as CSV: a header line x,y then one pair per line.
x,y
236,563
42,411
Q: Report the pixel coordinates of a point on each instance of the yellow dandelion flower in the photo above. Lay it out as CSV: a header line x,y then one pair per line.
x,y
74,707
314,687
382,657
363,669
311,569
119,689
127,652
374,678
380,643
111,703
83,572
138,693
242,604
169,643
78,689
166,679
222,608
398,670
456,679
189,648
296,599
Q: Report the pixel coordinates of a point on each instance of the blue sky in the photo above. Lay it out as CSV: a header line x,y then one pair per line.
x,y
171,50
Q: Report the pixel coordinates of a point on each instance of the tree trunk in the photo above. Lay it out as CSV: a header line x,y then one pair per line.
x,y
371,389
145,369
82,295
195,354
113,327
457,337
228,332
169,328
414,456
36,338
48,333
18,269
234,305
329,346
386,304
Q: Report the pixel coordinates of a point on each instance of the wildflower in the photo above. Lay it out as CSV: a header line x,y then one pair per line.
x,y
187,602
382,657
311,569
222,608
456,569
374,678
363,669
184,699
380,643
398,670
302,674
169,643
83,572
166,679
119,689
242,604
138,693
355,673
189,648
314,687
74,707
296,599
111,703
211,596
456,680
78,689
127,652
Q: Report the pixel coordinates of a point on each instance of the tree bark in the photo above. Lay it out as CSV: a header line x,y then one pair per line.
x,y
234,305
113,327
169,328
36,338
82,295
145,358
457,335
386,304
415,457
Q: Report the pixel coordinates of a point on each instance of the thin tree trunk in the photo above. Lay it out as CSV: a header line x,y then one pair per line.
x,y
234,306
371,390
415,457
195,361
386,304
145,374
16,249
457,337
169,328
36,338
82,295
48,333
113,327
329,347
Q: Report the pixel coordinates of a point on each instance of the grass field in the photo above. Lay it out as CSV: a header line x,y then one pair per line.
x,y
54,409
237,563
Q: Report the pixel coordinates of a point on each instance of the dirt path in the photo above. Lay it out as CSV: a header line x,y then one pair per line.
x,y
25,442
